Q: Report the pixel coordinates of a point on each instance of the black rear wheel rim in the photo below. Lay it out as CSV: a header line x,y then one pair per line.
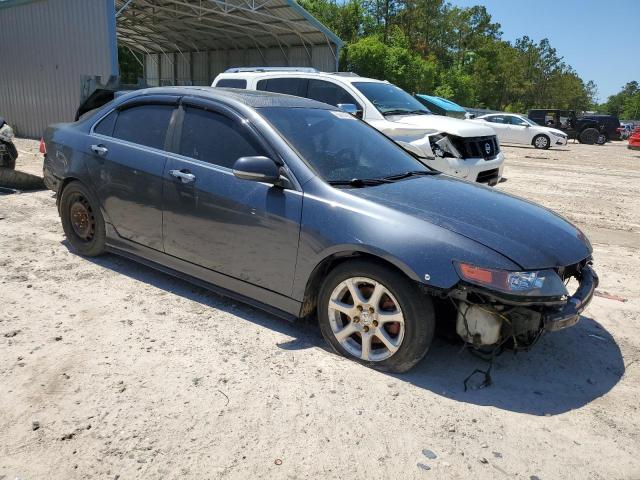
x,y
82,219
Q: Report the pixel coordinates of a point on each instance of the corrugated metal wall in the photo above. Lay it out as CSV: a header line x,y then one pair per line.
x,y
200,68
45,47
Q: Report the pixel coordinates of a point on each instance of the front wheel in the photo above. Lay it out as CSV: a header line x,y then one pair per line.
x,y
82,220
375,315
541,142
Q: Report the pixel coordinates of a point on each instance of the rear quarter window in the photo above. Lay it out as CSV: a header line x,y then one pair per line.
x,y
105,126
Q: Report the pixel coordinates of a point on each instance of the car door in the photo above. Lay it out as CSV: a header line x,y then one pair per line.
x,y
244,229
520,130
126,158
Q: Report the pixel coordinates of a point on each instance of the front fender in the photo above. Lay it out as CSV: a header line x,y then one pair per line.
x,y
337,223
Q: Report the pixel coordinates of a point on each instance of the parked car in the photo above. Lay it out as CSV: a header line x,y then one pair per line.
x,y
441,106
512,128
634,140
449,145
296,207
587,129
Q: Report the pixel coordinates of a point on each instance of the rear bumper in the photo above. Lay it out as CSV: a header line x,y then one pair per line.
x,y
569,315
50,180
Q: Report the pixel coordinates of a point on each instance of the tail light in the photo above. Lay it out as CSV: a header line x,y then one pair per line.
x,y
618,129
43,147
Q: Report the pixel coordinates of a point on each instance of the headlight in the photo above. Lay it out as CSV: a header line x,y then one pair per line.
x,y
6,133
442,147
561,135
540,283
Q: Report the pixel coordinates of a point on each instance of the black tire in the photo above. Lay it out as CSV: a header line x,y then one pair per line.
x,y
541,142
416,307
589,136
82,220
20,180
602,139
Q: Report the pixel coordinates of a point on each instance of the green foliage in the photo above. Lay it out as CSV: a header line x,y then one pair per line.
x,y
432,47
396,63
624,104
130,68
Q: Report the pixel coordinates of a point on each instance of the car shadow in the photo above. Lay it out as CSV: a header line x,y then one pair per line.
x,y
531,147
564,371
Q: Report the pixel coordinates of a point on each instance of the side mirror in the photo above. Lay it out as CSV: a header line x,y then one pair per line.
x,y
257,169
351,109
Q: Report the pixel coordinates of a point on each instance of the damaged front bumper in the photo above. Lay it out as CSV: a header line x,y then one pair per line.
x,y
569,315
486,318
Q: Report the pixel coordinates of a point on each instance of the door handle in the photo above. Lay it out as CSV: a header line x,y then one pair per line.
x,y
185,176
99,150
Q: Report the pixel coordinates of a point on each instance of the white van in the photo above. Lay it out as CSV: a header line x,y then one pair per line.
x,y
456,147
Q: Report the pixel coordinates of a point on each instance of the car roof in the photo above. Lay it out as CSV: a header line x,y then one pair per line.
x,y
249,98
337,76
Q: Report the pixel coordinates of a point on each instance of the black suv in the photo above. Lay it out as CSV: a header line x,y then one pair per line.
x,y
588,129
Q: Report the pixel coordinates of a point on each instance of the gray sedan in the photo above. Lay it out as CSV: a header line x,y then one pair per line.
x,y
301,209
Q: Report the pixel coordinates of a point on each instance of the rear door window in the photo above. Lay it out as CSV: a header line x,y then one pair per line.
x,y
145,125
288,86
232,83
327,92
215,138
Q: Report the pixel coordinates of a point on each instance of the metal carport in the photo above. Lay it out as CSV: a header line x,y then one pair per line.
x,y
48,46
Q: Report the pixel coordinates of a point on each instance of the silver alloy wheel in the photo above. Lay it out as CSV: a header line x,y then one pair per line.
x,y
366,319
542,141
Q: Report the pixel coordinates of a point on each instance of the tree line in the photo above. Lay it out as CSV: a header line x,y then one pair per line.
x,y
625,104
433,47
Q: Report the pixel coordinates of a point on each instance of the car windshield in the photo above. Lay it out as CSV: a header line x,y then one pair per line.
x,y
390,100
528,120
340,147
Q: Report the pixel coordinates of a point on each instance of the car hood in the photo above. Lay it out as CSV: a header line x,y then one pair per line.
x,y
527,234
453,126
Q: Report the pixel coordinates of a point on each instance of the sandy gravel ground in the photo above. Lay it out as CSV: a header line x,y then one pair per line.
x,y
111,370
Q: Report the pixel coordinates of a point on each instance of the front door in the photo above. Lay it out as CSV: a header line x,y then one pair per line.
x,y
244,229
520,132
126,159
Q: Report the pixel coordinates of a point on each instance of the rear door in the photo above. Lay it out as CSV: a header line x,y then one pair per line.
x,y
243,229
501,125
126,158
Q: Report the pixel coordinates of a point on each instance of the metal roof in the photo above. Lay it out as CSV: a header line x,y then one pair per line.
x,y
160,26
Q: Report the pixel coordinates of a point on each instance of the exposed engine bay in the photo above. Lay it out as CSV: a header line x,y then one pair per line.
x,y
488,320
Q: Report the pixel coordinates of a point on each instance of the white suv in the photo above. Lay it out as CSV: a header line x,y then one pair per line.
x,y
456,147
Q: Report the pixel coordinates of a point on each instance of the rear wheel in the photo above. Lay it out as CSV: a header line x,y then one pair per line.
x,y
541,142
602,139
375,315
82,220
589,136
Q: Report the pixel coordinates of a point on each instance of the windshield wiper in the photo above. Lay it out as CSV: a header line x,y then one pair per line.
x,y
360,182
412,173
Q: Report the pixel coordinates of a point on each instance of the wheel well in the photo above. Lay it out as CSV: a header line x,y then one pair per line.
x,y
323,268
533,140
66,181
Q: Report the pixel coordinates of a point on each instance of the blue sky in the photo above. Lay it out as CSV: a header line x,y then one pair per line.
x,y
600,39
